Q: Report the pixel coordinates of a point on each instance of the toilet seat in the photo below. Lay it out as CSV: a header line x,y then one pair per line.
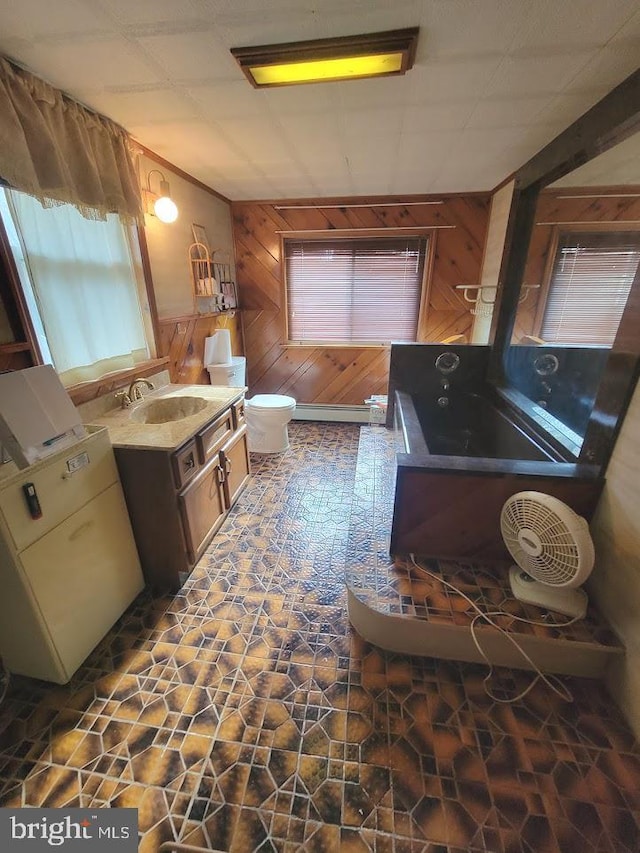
x,y
270,402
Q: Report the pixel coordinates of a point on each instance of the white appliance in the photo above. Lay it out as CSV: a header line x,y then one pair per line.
x,y
37,416
69,566
553,549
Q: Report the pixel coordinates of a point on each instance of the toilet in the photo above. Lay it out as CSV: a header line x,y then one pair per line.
x,y
267,415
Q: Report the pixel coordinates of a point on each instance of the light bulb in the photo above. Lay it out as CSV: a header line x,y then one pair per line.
x,y
165,209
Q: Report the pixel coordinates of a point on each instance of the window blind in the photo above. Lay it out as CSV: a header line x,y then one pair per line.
x,y
354,290
590,282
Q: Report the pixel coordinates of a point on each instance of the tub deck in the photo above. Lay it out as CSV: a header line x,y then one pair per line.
x,y
393,606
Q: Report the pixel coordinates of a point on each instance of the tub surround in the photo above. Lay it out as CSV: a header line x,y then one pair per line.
x,y
412,369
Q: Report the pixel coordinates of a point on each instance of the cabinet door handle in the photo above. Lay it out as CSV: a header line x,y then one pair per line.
x,y
227,466
189,462
220,475
80,530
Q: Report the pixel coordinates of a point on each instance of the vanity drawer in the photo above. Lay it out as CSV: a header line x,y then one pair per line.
x,y
238,413
185,464
212,437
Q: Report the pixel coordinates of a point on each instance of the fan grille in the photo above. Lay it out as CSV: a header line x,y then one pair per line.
x,y
565,555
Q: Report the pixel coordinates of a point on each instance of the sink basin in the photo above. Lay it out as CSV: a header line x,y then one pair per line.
x,y
168,409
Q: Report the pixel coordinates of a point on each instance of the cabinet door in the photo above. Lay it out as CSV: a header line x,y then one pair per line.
x,y
83,576
202,507
234,461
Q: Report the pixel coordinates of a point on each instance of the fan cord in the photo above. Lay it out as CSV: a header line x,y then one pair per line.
x,y
551,681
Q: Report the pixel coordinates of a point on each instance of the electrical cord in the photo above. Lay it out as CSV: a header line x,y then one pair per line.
x,y
551,681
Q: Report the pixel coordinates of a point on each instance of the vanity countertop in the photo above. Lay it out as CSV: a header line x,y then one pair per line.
x,y
126,431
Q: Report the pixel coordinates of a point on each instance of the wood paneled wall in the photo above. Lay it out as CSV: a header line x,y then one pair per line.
x,y
556,209
182,340
347,375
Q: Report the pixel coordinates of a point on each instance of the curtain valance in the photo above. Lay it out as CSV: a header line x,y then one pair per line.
x,y
56,150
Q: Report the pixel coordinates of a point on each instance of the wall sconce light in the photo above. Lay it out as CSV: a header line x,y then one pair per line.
x,y
161,205
325,60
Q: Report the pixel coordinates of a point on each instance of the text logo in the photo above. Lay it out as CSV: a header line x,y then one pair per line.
x,y
100,830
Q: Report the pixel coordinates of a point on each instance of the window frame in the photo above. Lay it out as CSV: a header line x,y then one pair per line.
x,y
558,233
13,293
428,234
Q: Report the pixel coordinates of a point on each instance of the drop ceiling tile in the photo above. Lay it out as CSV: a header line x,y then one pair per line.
x,y
154,105
508,112
363,123
228,100
374,94
567,26
467,28
312,133
444,80
527,76
193,56
426,148
565,108
152,11
294,100
92,64
443,116
612,64
33,19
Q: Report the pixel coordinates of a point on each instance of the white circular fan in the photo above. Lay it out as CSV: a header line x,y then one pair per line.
x,y
552,546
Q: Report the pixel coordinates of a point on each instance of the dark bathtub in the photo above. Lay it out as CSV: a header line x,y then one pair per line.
x,y
469,426
457,465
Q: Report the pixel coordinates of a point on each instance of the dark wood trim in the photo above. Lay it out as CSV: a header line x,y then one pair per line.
x,y
176,170
148,283
617,384
15,303
610,121
15,347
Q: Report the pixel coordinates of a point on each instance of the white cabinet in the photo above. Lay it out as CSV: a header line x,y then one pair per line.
x,y
66,577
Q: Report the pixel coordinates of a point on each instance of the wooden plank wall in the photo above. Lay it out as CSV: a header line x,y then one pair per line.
x,y
182,340
347,375
552,211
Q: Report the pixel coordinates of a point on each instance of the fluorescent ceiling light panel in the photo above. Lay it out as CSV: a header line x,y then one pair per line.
x,y
324,60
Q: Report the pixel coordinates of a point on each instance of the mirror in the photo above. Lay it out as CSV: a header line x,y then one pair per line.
x,y
583,255
587,381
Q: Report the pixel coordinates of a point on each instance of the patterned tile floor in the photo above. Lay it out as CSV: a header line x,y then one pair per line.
x,y
244,714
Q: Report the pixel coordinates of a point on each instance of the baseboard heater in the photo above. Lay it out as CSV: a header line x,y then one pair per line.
x,y
346,414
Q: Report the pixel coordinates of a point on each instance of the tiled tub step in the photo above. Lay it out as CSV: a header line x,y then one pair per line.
x,y
397,607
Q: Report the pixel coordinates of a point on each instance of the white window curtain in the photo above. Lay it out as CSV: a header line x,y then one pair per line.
x,y
84,277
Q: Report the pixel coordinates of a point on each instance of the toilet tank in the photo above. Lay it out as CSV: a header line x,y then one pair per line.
x,y
232,373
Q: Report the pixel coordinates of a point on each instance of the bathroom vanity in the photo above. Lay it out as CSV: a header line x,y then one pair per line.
x,y
180,476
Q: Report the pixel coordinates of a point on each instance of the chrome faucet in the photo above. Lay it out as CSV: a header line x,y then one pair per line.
x,y
133,394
